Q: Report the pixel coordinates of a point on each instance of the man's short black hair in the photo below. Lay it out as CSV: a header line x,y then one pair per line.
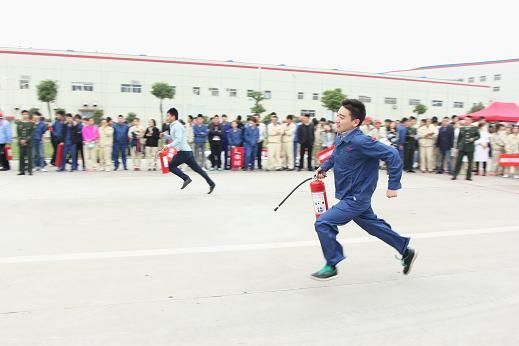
x,y
136,119
190,117
120,116
200,116
224,115
356,108
36,113
290,116
77,116
412,118
173,111
25,111
108,119
69,115
404,119
60,112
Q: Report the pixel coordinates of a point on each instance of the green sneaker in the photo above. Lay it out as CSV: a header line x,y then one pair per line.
x,y
326,273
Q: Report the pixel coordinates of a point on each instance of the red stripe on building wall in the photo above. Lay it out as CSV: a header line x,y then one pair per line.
x,y
162,61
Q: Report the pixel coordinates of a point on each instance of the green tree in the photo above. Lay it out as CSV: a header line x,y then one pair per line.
x,y
332,99
47,92
420,109
130,117
257,97
162,91
477,107
98,115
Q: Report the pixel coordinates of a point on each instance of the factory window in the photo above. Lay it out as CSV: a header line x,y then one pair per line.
x,y
471,79
390,100
460,79
81,86
437,103
458,105
365,99
131,88
497,77
308,112
496,88
483,78
414,102
214,91
249,92
232,92
24,83
267,94
196,90
300,95
315,96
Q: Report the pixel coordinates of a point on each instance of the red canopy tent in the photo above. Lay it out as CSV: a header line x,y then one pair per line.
x,y
498,111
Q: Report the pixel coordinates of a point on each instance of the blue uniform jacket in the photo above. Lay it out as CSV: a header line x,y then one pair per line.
x,y
6,133
355,161
402,133
226,128
121,133
200,133
57,129
234,138
251,135
39,130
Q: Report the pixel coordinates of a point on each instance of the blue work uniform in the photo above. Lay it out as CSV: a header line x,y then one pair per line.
x,y
120,144
355,163
234,137
38,156
250,139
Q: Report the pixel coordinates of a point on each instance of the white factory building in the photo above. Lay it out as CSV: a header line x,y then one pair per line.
x,y
502,76
119,84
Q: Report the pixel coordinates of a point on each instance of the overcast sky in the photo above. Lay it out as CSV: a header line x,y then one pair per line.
x,y
364,35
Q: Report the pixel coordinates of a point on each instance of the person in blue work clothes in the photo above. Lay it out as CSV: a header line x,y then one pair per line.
x,y
69,138
250,139
401,131
55,134
355,163
200,133
38,152
184,153
120,142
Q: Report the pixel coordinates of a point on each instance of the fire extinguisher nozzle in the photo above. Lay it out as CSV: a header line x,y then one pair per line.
x,y
276,208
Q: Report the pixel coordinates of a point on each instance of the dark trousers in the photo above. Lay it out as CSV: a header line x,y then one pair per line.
x,y
69,149
188,158
79,148
216,154
408,157
459,162
226,161
3,157
302,148
55,144
119,148
25,154
445,155
258,153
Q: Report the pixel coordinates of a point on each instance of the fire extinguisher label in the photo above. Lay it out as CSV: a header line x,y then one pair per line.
x,y
165,161
319,202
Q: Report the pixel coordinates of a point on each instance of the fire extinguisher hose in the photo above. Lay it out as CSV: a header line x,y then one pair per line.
x,y
291,192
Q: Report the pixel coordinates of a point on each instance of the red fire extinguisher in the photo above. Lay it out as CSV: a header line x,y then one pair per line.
x,y
319,197
8,155
320,200
59,155
165,156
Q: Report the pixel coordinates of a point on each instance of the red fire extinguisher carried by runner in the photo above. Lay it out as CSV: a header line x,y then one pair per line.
x,y
165,156
59,155
319,198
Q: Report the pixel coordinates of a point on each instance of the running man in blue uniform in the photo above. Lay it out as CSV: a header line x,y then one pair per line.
x,y
355,163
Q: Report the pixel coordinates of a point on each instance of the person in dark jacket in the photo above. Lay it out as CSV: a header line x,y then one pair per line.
x,y
152,136
401,135
120,142
305,135
79,126
215,135
226,127
55,135
444,142
70,138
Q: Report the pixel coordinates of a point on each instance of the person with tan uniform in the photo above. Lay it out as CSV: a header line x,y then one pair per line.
x,y
427,139
106,142
287,143
497,141
318,141
512,147
274,131
135,134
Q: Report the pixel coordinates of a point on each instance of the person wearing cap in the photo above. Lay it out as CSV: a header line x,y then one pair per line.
x,y
120,142
38,155
355,162
6,137
55,134
25,130
184,153
469,134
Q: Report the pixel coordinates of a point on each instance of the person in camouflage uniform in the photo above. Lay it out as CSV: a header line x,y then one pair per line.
x,y
25,129
468,135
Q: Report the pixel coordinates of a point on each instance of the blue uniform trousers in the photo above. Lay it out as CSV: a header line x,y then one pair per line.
x,y
69,149
119,148
250,155
362,214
